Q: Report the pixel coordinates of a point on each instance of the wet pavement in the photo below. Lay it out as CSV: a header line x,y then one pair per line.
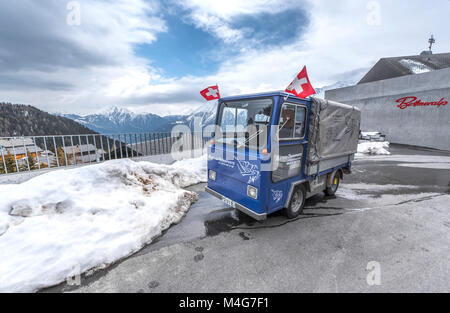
x,y
396,215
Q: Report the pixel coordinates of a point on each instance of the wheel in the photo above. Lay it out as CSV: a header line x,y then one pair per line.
x,y
330,191
297,202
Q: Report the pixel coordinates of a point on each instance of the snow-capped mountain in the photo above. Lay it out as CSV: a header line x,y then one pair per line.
x,y
204,115
121,120
320,92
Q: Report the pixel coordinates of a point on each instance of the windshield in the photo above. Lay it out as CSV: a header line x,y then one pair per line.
x,y
245,122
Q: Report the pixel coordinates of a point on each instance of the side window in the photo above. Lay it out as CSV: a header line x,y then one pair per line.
x,y
300,121
287,121
292,122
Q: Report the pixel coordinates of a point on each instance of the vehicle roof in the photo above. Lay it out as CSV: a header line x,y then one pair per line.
x,y
262,94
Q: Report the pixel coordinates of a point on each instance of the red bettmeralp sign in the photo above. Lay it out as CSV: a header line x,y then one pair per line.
x,y
406,102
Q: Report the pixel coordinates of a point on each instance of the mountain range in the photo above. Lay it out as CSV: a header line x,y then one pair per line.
x,y
17,120
120,120
320,92
26,120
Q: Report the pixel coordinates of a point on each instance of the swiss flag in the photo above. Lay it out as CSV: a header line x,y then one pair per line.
x,y
210,93
301,87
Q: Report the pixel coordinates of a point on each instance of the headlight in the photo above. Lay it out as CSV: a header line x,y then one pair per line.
x,y
212,175
252,192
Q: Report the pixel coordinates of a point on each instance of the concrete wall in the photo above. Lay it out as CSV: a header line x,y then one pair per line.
x,y
426,126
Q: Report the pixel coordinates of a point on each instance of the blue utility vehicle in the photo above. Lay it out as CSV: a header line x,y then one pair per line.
x,y
272,151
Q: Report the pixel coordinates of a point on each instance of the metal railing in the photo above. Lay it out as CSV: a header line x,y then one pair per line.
x,y
29,153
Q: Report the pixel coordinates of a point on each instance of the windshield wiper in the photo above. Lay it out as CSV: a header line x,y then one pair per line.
x,y
246,142
284,124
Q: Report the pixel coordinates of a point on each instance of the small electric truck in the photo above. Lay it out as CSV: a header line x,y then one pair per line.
x,y
272,151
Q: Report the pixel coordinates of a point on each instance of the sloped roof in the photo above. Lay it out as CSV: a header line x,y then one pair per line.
x,y
79,148
407,65
16,142
20,150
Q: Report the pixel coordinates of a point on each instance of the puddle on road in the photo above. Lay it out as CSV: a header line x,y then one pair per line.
x,y
224,220
228,219
357,198
318,199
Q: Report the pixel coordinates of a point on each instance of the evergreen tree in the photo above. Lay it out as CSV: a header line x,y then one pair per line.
x,y
29,121
10,163
60,156
2,167
31,161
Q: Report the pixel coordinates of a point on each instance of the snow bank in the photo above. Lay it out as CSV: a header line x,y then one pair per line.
x,y
370,133
88,217
410,158
436,166
197,170
373,148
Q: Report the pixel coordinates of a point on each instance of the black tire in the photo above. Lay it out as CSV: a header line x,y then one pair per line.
x,y
331,191
296,203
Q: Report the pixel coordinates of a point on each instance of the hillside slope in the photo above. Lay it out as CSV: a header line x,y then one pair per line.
x,y
26,120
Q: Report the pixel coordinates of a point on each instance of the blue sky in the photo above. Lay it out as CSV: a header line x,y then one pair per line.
x,y
186,49
155,56
182,50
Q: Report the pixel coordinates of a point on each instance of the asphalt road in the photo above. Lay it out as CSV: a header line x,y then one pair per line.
x,y
391,214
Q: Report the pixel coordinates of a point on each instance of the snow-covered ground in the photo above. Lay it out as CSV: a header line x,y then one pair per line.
x,y
370,133
66,222
439,166
373,148
413,161
410,158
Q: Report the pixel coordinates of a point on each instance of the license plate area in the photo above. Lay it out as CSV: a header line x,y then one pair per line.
x,y
229,202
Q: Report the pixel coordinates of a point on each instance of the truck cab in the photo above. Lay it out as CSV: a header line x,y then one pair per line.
x,y
258,159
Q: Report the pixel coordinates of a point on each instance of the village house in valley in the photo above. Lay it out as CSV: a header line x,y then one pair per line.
x,y
20,148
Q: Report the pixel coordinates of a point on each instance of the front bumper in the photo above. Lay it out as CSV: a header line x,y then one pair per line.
x,y
256,216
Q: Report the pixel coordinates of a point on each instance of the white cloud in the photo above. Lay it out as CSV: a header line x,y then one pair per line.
x,y
86,60
339,40
217,16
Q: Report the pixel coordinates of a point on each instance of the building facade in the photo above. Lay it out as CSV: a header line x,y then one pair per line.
x,y
405,98
83,154
19,148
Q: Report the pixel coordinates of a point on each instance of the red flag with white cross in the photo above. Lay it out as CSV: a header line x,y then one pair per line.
x,y
210,93
301,87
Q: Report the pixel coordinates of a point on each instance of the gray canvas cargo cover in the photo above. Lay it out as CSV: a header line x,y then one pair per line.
x,y
333,131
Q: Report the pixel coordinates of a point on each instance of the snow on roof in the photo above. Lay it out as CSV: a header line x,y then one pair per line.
x,y
21,150
78,148
16,142
387,68
414,66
